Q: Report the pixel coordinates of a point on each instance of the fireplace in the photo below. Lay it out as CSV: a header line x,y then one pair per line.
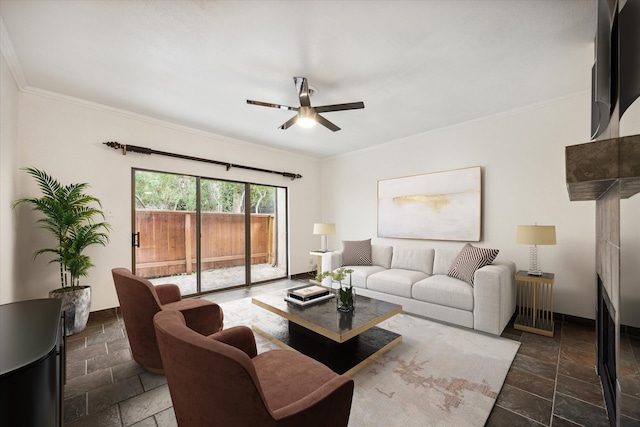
x,y
606,350
607,171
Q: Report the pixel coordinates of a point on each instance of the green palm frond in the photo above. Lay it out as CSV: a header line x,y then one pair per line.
x,y
70,216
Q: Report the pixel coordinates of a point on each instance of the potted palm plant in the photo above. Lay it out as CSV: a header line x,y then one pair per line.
x,y
70,216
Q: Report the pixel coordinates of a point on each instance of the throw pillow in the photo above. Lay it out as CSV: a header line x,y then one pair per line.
x,y
356,252
469,260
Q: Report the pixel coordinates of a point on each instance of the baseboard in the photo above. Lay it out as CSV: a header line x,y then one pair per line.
x,y
561,317
630,330
303,276
574,319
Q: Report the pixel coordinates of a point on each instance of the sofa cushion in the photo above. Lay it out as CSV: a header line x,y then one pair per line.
x,y
361,273
443,259
356,252
444,290
395,281
413,259
381,255
469,260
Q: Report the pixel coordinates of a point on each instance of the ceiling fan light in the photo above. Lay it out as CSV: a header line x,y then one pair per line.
x,y
306,117
306,122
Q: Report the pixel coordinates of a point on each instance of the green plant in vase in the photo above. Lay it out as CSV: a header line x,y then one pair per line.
x,y
345,293
72,218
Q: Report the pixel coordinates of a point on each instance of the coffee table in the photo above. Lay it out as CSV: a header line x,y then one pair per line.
x,y
345,342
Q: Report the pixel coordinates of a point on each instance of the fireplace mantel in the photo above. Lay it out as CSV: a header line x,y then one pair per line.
x,y
593,167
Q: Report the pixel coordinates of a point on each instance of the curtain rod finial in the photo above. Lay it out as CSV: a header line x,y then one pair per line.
x,y
117,146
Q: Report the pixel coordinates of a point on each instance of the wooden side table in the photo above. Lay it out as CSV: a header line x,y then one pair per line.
x,y
534,299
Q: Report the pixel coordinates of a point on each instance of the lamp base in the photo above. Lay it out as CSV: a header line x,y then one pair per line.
x,y
324,243
534,262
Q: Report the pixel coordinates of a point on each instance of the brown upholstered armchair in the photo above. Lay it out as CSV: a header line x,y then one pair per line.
x,y
220,380
140,300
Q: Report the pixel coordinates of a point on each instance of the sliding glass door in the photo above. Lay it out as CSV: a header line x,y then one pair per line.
x,y
204,234
268,232
223,234
164,229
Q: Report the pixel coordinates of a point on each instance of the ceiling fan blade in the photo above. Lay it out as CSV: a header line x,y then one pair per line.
x,y
268,104
286,125
326,123
339,107
303,91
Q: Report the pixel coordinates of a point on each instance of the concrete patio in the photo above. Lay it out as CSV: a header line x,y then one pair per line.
x,y
222,278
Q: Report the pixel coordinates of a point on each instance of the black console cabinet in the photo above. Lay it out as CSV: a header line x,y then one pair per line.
x,y
32,363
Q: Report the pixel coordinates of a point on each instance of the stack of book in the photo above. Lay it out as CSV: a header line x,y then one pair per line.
x,y
308,295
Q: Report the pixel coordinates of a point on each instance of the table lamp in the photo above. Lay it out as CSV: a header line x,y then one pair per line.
x,y
324,230
535,235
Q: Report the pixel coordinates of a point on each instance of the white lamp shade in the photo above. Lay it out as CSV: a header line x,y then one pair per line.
x,y
536,235
322,228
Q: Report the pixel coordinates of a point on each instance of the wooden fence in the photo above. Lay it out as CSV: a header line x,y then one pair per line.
x,y
168,241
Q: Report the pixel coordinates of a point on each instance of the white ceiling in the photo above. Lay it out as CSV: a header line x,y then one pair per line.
x,y
416,65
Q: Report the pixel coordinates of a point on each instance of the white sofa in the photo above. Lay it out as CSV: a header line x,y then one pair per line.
x,y
417,279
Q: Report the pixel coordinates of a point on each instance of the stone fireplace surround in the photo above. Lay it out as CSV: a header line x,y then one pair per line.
x,y
606,171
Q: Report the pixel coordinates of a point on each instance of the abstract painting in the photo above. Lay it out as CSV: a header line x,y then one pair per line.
x,y
435,206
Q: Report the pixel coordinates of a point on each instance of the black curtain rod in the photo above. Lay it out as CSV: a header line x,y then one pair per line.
x,y
144,150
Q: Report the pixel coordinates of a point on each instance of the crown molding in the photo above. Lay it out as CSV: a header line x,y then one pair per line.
x,y
513,112
9,53
55,96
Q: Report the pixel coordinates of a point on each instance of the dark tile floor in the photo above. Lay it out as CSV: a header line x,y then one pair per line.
x,y
551,382
105,387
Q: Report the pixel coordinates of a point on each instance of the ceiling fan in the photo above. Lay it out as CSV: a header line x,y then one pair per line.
x,y
307,115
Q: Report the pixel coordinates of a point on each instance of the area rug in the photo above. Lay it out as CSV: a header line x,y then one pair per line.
x,y
439,375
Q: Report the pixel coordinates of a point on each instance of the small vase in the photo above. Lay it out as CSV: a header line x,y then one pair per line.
x,y
346,298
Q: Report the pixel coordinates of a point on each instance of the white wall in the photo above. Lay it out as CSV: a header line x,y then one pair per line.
x,y
64,137
523,161
522,155
8,158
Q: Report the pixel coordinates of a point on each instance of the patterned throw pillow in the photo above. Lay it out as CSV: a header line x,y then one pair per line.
x,y
356,252
469,260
